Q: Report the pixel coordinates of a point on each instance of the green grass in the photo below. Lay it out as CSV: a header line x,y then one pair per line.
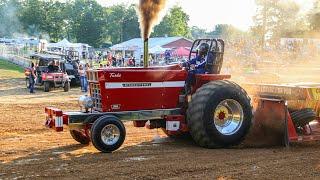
x,y
10,70
10,66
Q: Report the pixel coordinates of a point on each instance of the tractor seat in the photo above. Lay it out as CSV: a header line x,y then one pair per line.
x,y
214,62
210,61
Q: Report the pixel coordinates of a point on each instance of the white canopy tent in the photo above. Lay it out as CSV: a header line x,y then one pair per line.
x,y
63,45
157,50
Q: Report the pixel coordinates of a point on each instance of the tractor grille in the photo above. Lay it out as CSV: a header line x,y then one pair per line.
x,y
92,76
96,96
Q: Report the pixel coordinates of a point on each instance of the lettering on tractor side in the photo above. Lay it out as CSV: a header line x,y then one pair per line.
x,y
136,85
115,75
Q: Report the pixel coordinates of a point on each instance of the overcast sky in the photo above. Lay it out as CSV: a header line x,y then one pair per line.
x,y
207,13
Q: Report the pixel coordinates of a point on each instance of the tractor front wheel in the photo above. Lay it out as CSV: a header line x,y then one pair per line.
x,y
46,86
66,87
79,137
107,133
219,114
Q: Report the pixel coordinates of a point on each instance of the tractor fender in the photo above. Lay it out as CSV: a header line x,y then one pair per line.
x,y
92,118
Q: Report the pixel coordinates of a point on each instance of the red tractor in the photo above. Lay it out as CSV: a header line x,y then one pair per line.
x,y
216,112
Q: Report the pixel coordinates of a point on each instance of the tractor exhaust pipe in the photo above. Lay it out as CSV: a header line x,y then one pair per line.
x,y
145,53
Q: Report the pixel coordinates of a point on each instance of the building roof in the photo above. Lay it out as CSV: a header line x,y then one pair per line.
x,y
137,43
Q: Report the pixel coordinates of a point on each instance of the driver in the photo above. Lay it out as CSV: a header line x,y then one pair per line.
x,y
56,66
51,66
197,64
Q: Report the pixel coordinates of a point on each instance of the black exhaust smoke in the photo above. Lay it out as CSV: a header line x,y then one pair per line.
x,y
148,11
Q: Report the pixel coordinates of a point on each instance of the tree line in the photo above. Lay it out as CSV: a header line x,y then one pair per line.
x,y
83,21
86,21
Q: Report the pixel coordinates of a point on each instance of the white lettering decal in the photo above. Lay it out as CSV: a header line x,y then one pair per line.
x,y
115,75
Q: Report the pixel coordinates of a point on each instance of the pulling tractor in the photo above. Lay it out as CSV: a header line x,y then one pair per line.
x,y
215,111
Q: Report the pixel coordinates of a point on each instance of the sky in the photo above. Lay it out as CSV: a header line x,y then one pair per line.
x,y
206,13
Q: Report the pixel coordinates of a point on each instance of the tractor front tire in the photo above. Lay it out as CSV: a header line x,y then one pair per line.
x,y
66,87
219,114
107,133
46,86
80,137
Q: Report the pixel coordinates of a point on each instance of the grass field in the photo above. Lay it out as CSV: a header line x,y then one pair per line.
x,y
10,70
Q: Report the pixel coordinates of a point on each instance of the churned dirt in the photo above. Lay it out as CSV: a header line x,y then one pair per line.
x,y
30,151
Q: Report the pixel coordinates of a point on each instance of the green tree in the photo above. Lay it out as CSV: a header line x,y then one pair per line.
x,y
55,20
265,19
123,23
227,32
276,19
115,19
175,23
8,18
32,17
197,32
87,19
130,26
315,17
289,22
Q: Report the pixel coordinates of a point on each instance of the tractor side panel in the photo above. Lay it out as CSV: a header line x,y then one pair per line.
x,y
173,89
140,89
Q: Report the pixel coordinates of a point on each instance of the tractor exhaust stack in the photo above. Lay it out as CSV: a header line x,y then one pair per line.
x,y
145,53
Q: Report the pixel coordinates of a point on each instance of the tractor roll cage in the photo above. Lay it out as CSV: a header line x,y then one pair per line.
x,y
214,57
215,45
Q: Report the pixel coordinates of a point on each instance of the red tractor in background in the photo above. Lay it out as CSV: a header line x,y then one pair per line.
x,y
216,112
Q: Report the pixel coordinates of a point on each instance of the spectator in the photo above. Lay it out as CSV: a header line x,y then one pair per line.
x,y
83,78
32,78
114,61
134,61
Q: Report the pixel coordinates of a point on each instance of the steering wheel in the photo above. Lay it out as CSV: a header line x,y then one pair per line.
x,y
186,65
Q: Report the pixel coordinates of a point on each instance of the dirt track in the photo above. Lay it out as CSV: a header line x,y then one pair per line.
x,y
28,150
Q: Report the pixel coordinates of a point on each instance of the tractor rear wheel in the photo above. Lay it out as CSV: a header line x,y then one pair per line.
x,y
66,87
107,133
79,137
219,114
46,86
302,117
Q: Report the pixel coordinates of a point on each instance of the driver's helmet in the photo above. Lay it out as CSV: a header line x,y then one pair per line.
x,y
203,49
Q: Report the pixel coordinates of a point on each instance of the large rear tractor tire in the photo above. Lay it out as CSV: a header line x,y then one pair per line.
x,y
219,114
46,86
79,137
302,117
66,87
107,133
